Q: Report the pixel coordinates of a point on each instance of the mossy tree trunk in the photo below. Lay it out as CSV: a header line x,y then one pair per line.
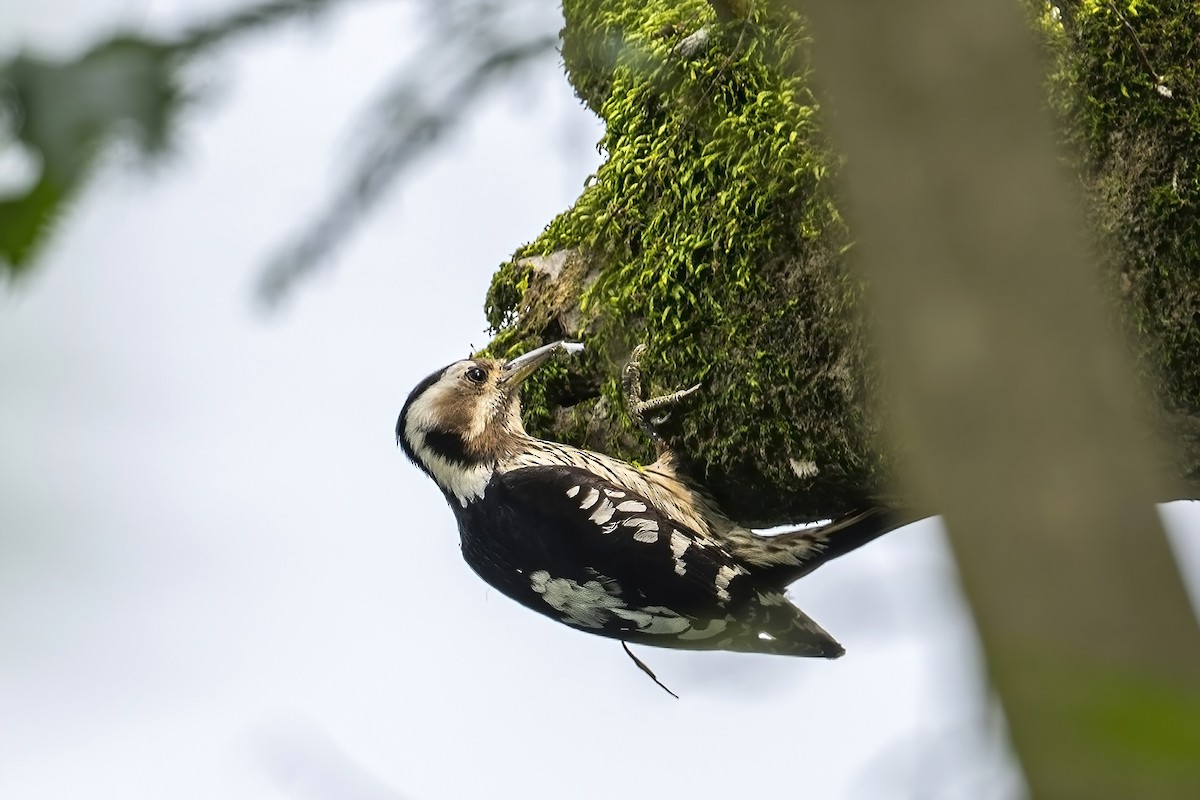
x,y
713,233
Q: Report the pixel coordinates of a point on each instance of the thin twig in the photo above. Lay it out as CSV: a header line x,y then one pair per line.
x,y
247,20
1136,43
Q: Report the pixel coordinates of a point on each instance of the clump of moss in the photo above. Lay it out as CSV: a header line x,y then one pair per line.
x,y
1125,85
712,234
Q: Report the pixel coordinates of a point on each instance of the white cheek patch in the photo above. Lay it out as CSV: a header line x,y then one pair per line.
x,y
464,483
430,410
485,414
422,414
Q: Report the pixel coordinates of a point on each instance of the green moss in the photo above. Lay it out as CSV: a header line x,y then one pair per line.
x,y
711,233
1126,87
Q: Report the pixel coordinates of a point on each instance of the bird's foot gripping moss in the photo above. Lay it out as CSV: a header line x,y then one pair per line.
x,y
640,409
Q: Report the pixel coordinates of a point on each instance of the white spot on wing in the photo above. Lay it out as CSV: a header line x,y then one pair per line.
x,y
655,620
589,499
724,575
603,512
574,490
633,506
593,604
679,546
614,493
657,487
647,529
586,605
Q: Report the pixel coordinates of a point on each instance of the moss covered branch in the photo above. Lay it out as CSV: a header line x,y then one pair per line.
x,y
712,233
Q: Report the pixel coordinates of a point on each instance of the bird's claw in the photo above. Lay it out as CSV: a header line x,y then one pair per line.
x,y
655,403
639,409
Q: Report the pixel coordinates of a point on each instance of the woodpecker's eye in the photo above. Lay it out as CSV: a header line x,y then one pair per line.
x,y
476,374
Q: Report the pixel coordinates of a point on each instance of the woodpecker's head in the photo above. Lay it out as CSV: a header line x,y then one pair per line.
x,y
462,419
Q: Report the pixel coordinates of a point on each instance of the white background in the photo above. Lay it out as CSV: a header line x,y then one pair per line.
x,y
220,579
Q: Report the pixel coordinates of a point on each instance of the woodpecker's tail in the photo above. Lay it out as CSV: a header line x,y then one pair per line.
x,y
785,557
773,625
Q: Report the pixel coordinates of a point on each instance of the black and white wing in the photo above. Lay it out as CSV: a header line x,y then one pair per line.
x,y
593,555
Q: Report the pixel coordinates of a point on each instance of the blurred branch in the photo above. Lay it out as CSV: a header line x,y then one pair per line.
x,y
205,36
1018,403
405,124
64,115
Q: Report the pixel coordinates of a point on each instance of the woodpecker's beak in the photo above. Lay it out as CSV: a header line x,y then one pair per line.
x,y
523,366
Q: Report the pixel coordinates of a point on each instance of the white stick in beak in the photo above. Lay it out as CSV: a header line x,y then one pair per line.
x,y
523,366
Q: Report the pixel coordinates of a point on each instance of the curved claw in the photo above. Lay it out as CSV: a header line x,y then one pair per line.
x,y
639,409
655,403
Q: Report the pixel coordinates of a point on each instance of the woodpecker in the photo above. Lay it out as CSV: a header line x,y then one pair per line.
x,y
639,554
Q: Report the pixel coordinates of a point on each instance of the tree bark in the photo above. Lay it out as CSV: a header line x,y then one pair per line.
x,y
1016,394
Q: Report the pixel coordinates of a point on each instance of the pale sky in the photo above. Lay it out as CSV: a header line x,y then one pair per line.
x,y
221,579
